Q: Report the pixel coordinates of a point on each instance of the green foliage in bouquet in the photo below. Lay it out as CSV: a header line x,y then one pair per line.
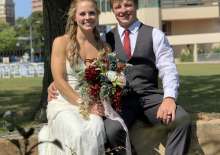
x,y
102,80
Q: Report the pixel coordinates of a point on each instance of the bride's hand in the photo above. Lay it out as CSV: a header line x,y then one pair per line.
x,y
97,109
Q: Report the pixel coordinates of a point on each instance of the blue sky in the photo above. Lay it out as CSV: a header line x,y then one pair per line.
x,y
22,8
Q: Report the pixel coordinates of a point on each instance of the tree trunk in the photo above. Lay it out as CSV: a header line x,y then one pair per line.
x,y
54,18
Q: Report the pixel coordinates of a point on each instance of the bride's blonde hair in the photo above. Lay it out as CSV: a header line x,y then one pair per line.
x,y
71,30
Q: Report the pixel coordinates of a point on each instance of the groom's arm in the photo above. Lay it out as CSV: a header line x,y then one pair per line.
x,y
52,92
97,109
169,75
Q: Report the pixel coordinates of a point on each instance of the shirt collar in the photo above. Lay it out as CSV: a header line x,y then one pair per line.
x,y
133,28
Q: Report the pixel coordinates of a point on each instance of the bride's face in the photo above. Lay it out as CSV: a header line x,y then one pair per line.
x,y
86,15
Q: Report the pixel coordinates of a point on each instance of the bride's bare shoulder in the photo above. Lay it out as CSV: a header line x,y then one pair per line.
x,y
61,40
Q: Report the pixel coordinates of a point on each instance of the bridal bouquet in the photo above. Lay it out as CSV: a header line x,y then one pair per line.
x,y
102,80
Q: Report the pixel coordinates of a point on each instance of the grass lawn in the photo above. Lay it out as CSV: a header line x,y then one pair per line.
x,y
200,87
198,69
199,91
21,95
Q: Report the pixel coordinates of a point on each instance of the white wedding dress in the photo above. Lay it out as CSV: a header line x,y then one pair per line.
x,y
77,135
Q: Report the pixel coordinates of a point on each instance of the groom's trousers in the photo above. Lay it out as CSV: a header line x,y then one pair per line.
x,y
116,136
178,136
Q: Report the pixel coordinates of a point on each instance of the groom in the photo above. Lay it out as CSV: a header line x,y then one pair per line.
x,y
150,54
148,50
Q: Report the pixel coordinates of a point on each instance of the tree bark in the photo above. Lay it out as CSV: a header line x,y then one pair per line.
x,y
54,18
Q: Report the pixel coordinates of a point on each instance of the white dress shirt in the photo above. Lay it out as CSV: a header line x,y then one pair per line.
x,y
164,58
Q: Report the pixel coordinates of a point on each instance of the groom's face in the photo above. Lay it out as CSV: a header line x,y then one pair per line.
x,y
125,12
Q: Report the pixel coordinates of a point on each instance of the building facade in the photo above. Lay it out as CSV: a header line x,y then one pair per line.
x,y
37,5
7,11
188,24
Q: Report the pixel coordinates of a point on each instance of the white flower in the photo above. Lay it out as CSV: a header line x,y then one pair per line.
x,y
116,78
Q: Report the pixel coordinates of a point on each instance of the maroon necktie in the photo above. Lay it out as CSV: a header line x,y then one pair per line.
x,y
126,44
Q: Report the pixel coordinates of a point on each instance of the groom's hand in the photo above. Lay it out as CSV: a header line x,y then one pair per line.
x,y
167,110
52,92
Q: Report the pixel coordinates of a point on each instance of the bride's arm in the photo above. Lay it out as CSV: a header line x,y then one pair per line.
x,y
58,68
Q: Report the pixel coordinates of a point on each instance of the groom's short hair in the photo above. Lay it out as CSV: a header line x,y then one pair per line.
x,y
113,1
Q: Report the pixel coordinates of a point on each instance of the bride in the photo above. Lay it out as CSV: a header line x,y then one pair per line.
x,y
71,52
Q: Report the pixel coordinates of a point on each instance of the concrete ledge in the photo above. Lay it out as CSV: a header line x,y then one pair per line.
x,y
208,134
147,140
205,138
7,148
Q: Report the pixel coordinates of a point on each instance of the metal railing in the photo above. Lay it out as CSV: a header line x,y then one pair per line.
x,y
104,5
148,3
210,56
188,3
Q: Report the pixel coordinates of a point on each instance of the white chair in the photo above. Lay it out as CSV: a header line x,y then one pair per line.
x,y
6,71
15,70
31,70
40,69
1,71
24,69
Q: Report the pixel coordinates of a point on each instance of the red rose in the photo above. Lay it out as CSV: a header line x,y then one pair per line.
x,y
94,91
91,73
116,99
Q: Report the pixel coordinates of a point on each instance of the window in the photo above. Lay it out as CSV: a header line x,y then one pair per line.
x,y
166,27
104,5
